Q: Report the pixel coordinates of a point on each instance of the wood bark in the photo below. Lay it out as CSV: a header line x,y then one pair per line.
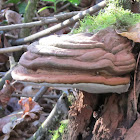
x,y
80,114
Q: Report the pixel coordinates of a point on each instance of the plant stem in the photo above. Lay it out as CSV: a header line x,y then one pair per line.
x,y
29,14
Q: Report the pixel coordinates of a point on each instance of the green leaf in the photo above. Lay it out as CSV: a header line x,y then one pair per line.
x,y
49,0
76,2
21,7
45,8
13,1
3,22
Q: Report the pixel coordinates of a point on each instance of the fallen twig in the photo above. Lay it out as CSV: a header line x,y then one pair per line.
x,y
62,8
2,74
40,93
60,16
64,16
8,76
44,21
44,96
77,24
13,49
28,25
60,25
50,101
59,111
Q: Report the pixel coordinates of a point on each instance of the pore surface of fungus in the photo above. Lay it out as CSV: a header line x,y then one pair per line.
x,y
79,60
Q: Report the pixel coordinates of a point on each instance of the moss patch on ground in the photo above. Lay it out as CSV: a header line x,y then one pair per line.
x,y
57,134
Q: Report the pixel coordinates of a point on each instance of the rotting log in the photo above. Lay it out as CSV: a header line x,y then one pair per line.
x,y
113,121
80,115
107,125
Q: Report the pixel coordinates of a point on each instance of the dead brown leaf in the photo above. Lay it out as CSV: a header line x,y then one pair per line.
x,y
8,119
30,107
13,18
21,123
133,33
5,93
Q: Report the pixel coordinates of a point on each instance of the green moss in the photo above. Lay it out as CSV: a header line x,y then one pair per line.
x,y
57,134
113,16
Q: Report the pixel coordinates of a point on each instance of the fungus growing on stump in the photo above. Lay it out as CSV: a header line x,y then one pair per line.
x,y
99,63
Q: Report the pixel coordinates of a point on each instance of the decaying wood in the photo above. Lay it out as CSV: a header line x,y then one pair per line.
x,y
80,114
133,133
133,98
59,111
116,118
111,116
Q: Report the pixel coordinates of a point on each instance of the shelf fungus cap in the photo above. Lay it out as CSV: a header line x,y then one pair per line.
x,y
99,63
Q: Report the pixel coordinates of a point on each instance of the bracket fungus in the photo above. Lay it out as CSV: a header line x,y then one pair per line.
x,y
99,63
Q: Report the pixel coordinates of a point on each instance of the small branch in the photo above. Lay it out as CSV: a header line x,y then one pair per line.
x,y
60,16
62,8
13,49
2,74
30,24
59,26
44,21
56,19
59,111
77,24
40,93
12,61
64,16
44,96
8,76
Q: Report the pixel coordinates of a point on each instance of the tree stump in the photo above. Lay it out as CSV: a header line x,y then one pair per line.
x,y
110,116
